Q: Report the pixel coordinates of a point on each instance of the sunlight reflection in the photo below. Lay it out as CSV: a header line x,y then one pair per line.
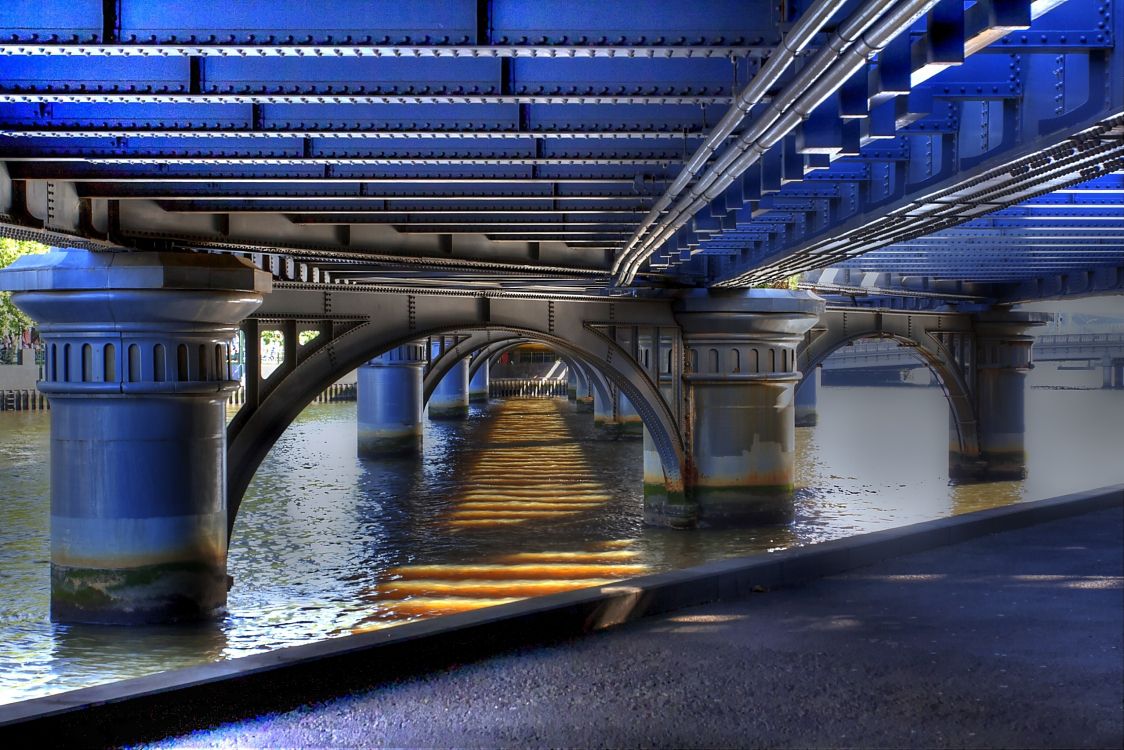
x,y
707,618
527,470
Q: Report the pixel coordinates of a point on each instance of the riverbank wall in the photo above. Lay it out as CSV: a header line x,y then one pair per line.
x,y
17,384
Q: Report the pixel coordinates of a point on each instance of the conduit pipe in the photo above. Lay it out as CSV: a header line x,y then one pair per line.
x,y
809,24
845,54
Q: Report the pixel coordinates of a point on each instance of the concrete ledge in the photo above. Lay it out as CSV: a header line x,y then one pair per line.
x,y
182,700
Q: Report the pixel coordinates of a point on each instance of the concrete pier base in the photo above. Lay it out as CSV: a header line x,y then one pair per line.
x,y
741,377
389,396
138,373
571,383
478,384
806,394
604,412
628,419
616,415
663,506
450,398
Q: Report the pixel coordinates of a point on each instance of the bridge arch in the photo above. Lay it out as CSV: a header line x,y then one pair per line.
x,y
588,377
921,333
256,427
489,344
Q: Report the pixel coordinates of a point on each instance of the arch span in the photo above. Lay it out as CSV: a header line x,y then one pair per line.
x,y
923,334
252,434
589,378
488,344
469,343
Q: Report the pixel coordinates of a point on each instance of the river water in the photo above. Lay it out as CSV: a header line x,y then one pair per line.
x,y
524,498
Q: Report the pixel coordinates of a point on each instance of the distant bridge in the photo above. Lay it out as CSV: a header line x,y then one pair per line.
x,y
1092,349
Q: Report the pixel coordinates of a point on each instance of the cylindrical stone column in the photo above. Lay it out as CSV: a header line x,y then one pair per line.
x,y
584,401
389,402
449,399
138,376
604,410
628,419
806,394
655,485
741,373
571,383
1003,359
478,383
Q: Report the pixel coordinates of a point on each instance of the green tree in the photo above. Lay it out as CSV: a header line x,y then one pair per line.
x,y
791,283
12,319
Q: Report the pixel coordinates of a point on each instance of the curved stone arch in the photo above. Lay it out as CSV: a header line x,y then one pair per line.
x,y
597,382
472,343
250,438
490,345
584,383
481,346
931,351
490,353
588,376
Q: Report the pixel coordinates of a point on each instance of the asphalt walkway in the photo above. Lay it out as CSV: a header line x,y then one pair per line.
x,y
1011,640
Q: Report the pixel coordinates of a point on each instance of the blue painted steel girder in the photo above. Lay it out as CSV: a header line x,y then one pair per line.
x,y
276,170
427,23
353,118
354,190
968,107
1010,244
457,90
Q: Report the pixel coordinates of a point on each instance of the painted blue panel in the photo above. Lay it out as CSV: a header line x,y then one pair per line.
x,y
24,19
623,75
434,75
597,21
246,21
37,72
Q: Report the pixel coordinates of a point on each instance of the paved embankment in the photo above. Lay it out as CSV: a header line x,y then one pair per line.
x,y
1013,639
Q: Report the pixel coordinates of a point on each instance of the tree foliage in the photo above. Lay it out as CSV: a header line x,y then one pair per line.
x,y
12,319
791,283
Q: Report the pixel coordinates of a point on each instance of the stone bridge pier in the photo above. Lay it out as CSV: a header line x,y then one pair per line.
x,y
1112,373
389,402
615,414
980,361
807,394
450,398
1002,359
740,379
138,374
478,382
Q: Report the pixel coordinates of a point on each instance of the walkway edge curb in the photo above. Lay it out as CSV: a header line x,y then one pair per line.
x,y
186,699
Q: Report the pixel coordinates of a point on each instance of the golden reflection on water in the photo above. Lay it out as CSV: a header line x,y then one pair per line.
x,y
527,470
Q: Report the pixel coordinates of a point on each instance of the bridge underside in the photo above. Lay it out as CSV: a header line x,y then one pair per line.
x,y
926,153
601,178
